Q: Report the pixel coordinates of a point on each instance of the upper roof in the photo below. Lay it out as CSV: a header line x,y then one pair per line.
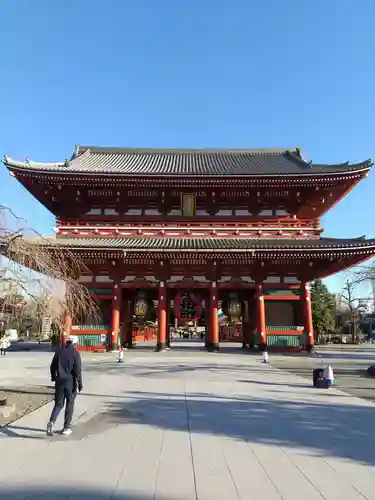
x,y
187,162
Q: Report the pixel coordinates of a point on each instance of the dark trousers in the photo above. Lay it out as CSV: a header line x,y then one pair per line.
x,y
64,394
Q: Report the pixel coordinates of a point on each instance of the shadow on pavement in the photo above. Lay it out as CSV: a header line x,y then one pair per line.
x,y
299,385
325,429
30,346
61,493
322,428
347,355
193,346
162,369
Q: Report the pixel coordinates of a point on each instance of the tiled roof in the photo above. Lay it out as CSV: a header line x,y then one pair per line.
x,y
188,162
219,244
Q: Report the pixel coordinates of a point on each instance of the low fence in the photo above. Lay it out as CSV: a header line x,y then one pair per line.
x,y
92,337
285,336
98,337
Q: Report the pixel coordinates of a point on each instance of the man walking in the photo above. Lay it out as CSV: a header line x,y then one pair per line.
x,y
66,372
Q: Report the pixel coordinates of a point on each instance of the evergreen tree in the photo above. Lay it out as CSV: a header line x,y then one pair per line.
x,y
323,309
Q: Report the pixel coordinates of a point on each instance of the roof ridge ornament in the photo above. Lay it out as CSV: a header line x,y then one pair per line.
x,y
298,156
303,157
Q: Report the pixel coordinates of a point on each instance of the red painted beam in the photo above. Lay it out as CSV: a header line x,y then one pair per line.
x,y
284,332
281,297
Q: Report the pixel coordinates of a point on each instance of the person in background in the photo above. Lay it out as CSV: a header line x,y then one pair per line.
x,y
4,344
66,372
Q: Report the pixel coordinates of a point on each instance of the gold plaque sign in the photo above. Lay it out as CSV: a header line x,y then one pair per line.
x,y
188,205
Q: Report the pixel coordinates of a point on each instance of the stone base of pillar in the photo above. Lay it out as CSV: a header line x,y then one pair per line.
x,y
114,347
212,347
205,337
309,348
129,344
161,346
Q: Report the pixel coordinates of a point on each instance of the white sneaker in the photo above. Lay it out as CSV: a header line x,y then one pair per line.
x,y
66,432
50,429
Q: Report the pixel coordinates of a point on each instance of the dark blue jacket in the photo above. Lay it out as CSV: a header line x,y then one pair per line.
x,y
66,367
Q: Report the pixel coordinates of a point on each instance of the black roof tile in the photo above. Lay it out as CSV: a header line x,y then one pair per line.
x,y
186,162
201,244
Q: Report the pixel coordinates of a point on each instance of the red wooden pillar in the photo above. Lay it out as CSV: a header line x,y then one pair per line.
x,y
129,324
207,319
245,326
307,315
261,317
162,318
213,332
115,322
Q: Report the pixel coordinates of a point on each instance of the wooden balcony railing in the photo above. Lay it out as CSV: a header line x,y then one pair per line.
x,y
85,328
281,328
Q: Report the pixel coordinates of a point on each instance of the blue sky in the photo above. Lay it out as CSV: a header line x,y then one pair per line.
x,y
190,73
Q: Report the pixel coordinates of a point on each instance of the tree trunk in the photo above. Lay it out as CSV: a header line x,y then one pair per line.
x,y
354,330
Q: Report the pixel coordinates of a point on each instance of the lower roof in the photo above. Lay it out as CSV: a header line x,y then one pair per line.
x,y
211,244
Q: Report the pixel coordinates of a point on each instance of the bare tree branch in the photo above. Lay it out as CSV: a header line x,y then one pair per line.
x,y
32,266
365,273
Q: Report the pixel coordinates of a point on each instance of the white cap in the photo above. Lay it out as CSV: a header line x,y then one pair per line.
x,y
72,338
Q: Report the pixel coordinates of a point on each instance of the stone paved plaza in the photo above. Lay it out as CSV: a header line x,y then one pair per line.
x,y
186,425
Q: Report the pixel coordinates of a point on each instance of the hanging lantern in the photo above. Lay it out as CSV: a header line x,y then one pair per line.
x,y
187,306
140,306
232,306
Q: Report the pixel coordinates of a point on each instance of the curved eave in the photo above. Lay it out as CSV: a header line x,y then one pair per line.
x,y
211,245
33,166
64,169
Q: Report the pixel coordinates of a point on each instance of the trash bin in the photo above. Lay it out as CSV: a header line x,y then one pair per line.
x,y
317,376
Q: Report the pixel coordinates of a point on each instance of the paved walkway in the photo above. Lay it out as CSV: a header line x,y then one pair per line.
x,y
191,425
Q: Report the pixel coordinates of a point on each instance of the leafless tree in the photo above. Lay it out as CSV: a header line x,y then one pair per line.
x,y
353,305
366,272
34,266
